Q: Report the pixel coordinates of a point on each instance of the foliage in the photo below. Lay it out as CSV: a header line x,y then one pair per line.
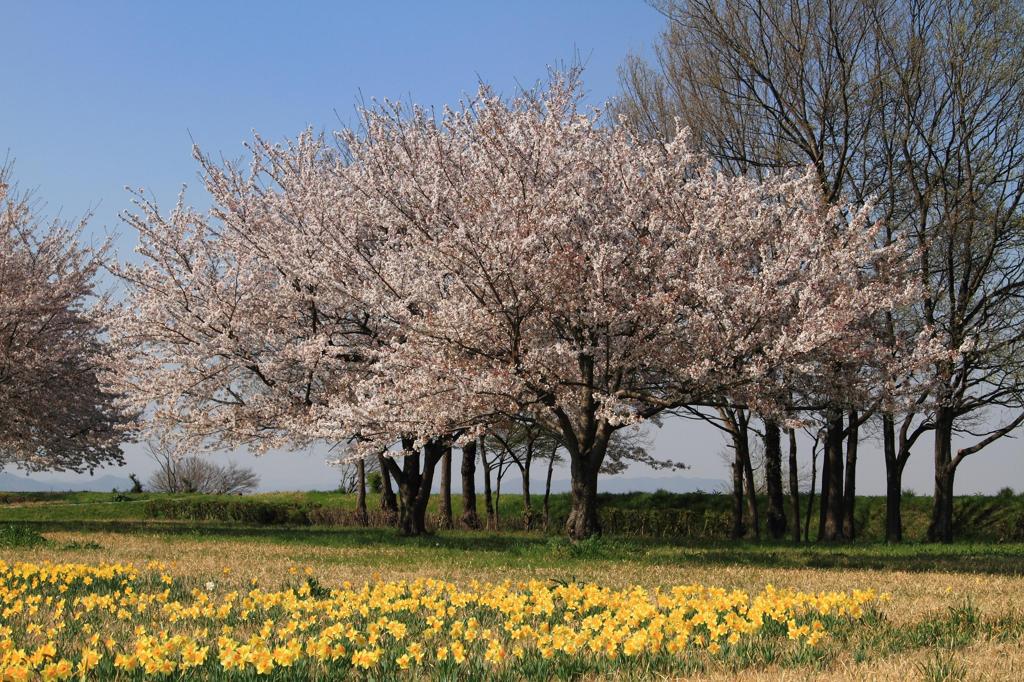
x,y
19,536
54,412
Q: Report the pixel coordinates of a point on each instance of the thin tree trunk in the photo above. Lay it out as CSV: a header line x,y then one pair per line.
x,y
497,497
445,489
941,527
810,496
527,502
748,477
488,500
737,428
738,527
832,528
470,519
361,513
773,479
388,501
823,498
547,490
794,485
850,477
893,482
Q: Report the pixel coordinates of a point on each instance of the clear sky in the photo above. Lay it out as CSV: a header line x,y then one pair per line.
x,y
100,95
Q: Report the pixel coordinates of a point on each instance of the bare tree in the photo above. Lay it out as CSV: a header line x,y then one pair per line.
x,y
916,103
195,474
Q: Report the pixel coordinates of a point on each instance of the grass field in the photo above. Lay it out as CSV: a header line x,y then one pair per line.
x,y
953,612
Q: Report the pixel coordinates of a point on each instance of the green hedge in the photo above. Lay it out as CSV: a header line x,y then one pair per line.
x,y
240,511
650,515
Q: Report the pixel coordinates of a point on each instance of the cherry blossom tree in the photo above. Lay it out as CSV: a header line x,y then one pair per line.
x,y
507,260
540,263
234,330
54,412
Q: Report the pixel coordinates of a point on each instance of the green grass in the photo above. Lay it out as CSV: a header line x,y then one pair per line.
x,y
979,519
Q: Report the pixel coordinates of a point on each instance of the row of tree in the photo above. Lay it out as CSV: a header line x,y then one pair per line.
x,y
918,105
432,278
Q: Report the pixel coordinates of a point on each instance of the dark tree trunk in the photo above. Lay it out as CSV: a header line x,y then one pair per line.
x,y
527,502
469,516
832,482
941,527
497,496
850,477
547,490
794,485
810,495
388,501
738,527
748,477
444,519
361,513
583,521
408,479
488,500
773,480
432,454
414,485
743,473
893,482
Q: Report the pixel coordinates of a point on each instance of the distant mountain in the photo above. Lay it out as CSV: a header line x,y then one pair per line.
x,y
20,483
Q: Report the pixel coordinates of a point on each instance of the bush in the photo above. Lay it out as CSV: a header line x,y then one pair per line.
x,y
240,511
19,536
376,482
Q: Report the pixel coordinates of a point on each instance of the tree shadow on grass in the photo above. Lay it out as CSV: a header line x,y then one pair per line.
x,y
540,549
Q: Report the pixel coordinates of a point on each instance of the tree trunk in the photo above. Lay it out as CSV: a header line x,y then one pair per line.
x,y
941,527
810,495
488,500
547,490
469,516
893,482
414,485
773,479
432,454
748,477
850,477
738,528
445,516
794,485
527,502
361,513
832,482
388,501
583,521
497,497
408,478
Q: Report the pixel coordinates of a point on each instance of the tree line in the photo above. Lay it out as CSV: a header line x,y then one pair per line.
x,y
800,215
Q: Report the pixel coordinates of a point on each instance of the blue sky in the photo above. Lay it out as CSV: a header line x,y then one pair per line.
x,y
100,95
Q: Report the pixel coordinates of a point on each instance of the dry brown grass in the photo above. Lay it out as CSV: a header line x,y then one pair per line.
x,y
916,596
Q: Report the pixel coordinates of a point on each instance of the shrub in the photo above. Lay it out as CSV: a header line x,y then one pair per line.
x,y
19,536
240,511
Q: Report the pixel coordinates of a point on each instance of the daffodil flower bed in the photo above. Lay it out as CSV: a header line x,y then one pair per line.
x,y
121,621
